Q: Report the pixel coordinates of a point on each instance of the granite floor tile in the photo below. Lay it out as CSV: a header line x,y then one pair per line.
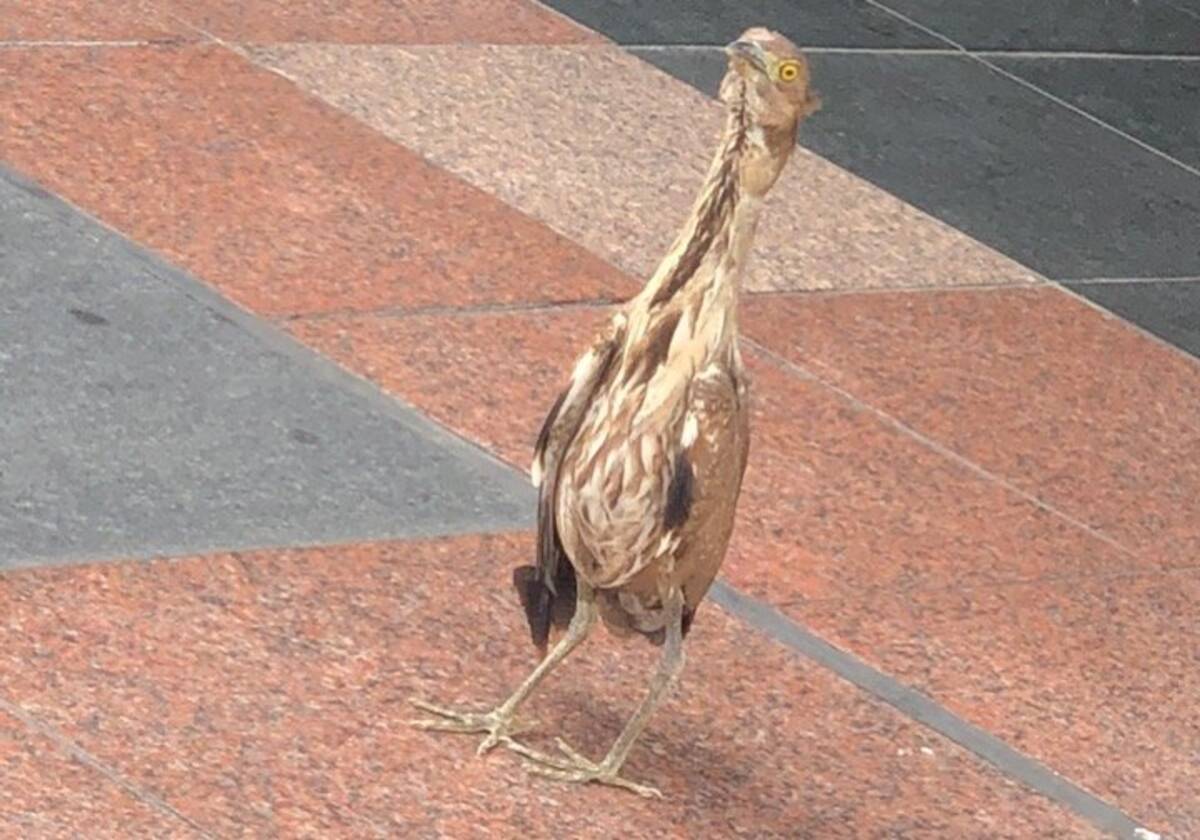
x,y
381,21
1065,402
608,151
266,694
835,502
1043,185
826,23
46,793
1153,100
1097,678
1147,26
283,203
142,416
88,20
1169,310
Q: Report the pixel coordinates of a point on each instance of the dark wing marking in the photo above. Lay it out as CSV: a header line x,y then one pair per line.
x,y
543,438
547,590
680,493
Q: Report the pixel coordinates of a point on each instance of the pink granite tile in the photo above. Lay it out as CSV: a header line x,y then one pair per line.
x,y
835,502
382,21
610,151
1097,678
87,20
265,694
283,203
46,793
1068,403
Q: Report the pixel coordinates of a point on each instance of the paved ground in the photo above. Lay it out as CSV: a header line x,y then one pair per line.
x,y
284,291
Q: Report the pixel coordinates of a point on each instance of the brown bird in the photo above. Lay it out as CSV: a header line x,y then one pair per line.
x,y
639,463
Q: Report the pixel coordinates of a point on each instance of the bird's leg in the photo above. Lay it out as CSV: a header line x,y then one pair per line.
x,y
500,724
576,768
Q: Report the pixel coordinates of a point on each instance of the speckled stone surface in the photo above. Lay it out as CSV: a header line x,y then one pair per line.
x,y
1096,677
46,793
610,152
88,20
836,504
1056,396
265,694
283,203
382,21
913,562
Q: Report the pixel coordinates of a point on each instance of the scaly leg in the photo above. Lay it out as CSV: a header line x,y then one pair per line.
x,y
500,724
574,767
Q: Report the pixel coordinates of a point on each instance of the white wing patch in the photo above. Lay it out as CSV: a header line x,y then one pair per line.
x,y
691,429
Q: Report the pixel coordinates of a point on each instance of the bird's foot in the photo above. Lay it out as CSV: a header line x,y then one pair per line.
x,y
573,767
500,727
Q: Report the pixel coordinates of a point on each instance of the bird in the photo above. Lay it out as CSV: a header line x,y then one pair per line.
x,y
640,460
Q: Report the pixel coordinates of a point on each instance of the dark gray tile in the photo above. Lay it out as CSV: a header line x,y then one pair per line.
x,y
1170,310
140,415
1125,26
1002,163
1156,101
826,23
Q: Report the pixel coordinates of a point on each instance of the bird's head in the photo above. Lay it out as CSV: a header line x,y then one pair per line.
x,y
768,75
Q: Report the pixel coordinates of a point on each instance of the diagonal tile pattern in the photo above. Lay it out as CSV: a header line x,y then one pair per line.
x,y
1004,379
379,21
985,493
48,793
131,403
1165,308
607,151
1122,211
284,204
266,694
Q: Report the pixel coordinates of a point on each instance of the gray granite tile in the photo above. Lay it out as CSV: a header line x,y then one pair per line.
x,y
1156,101
1126,26
812,23
1036,181
1168,309
144,415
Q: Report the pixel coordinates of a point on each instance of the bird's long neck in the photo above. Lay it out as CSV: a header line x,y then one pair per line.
x,y
714,241
720,215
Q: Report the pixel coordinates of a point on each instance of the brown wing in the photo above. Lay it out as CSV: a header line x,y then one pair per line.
x,y
718,459
693,523
547,590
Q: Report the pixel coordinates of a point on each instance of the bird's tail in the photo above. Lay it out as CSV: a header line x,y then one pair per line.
x,y
545,606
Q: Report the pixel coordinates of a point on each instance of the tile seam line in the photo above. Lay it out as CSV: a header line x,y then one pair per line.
x,y
1013,77
1171,347
993,585
261,327
918,707
802,372
920,52
1102,281
549,306
85,759
114,44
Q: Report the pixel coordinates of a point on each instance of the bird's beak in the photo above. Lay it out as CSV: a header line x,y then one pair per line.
x,y
751,51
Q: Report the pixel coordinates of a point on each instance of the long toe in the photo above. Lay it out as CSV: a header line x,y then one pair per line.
x,y
573,767
498,727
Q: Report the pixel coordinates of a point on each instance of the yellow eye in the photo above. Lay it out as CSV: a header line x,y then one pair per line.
x,y
788,71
